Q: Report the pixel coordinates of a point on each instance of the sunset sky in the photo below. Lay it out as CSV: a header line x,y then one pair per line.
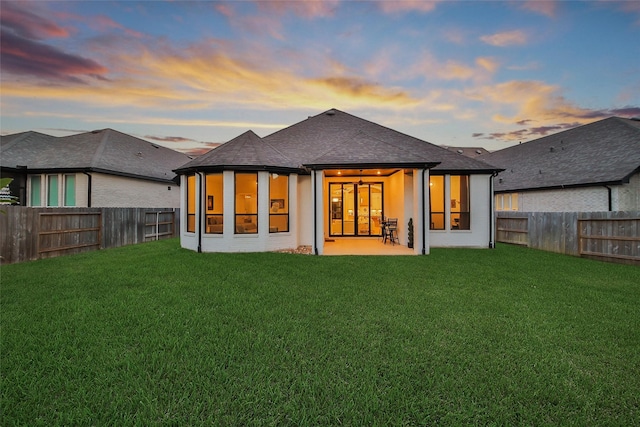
x,y
188,74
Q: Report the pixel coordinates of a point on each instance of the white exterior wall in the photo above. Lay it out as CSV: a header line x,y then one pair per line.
x,y
480,207
304,210
626,197
112,191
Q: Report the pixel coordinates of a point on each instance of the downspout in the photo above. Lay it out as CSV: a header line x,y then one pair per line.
x,y
609,201
88,189
424,212
315,214
491,211
200,217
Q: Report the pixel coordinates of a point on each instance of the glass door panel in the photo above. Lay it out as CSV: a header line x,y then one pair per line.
x,y
336,209
355,209
348,195
375,209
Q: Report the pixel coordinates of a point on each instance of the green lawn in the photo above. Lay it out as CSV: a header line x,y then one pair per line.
x,y
156,335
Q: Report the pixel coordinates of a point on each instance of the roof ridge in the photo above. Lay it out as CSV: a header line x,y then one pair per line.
x,y
103,145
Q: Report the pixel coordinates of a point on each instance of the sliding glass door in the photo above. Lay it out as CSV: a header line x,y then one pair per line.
x,y
355,209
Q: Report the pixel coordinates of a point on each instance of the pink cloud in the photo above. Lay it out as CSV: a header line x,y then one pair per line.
x,y
304,9
548,7
406,6
23,56
103,22
507,38
29,25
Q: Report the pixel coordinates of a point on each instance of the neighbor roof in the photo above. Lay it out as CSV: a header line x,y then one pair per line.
x,y
599,153
335,139
107,151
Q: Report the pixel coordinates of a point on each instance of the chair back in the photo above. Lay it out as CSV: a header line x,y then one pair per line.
x,y
392,223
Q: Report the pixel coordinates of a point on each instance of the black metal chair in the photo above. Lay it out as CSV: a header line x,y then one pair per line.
x,y
390,231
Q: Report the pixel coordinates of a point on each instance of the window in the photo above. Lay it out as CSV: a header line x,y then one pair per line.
x,y
460,213
191,203
214,203
436,200
514,201
278,203
246,208
69,190
506,202
52,190
36,188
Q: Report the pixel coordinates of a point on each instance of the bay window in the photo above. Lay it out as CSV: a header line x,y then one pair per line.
x,y
191,203
460,212
214,203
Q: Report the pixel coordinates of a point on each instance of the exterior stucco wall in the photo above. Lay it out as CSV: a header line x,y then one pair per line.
x,y
112,191
626,197
304,210
480,208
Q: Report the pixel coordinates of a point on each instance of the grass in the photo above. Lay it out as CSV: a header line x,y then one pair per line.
x,y
156,335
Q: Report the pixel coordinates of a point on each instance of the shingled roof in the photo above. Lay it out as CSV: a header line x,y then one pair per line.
x,y
335,139
107,151
599,153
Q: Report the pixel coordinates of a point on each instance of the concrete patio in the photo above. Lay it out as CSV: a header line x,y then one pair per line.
x,y
363,246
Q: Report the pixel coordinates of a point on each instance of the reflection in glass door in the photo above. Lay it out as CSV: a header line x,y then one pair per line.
x,y
355,209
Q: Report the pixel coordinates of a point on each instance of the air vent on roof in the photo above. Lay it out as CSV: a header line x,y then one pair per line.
x,y
478,151
331,113
552,149
636,119
96,131
459,151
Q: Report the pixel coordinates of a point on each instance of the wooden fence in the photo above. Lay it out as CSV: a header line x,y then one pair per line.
x,y
34,233
608,236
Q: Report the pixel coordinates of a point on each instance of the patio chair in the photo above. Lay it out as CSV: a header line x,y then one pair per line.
x,y
390,231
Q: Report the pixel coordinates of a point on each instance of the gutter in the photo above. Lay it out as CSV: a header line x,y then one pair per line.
x,y
609,201
315,213
491,210
424,213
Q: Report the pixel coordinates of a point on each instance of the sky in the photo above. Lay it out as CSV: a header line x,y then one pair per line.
x,y
192,74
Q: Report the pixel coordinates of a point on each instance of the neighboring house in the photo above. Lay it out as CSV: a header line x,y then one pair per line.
x,y
331,176
595,167
103,168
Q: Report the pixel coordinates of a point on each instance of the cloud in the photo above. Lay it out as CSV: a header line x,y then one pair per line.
x,y
169,138
547,7
406,6
103,22
430,67
526,102
508,38
356,88
22,56
304,9
26,24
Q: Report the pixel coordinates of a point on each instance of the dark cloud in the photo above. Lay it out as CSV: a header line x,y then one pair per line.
x,y
538,131
26,24
208,146
23,56
23,53
169,138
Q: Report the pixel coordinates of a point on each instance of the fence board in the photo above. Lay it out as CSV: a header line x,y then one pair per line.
x,y
609,236
32,233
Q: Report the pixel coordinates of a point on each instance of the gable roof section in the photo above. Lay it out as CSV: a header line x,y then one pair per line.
x,y
335,139
599,153
107,151
247,151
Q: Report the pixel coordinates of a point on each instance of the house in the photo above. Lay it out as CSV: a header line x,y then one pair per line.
x,y
328,177
103,168
595,167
